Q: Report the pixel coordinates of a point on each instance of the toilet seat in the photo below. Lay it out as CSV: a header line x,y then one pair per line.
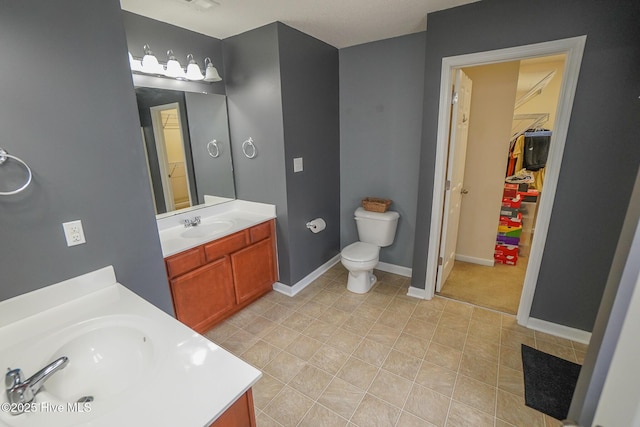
x,y
360,252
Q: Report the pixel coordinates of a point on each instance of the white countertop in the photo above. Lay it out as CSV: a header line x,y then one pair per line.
x,y
175,377
236,215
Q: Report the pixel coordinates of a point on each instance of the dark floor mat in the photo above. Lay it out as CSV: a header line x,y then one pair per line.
x,y
549,382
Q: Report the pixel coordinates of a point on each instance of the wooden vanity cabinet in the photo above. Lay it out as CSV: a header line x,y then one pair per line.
x,y
212,281
240,414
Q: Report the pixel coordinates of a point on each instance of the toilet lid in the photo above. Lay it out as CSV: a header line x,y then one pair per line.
x,y
360,251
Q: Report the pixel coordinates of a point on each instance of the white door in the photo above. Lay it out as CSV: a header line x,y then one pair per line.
x,y
455,175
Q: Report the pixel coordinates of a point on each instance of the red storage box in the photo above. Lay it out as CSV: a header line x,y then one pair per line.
x,y
506,251
511,222
509,260
512,202
510,190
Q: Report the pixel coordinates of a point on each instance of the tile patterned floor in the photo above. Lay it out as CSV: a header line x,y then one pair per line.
x,y
333,358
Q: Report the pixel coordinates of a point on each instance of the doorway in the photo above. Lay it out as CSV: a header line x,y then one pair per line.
x,y
510,99
573,49
167,131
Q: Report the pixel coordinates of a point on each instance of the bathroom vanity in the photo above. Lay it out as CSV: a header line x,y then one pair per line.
x,y
129,363
222,264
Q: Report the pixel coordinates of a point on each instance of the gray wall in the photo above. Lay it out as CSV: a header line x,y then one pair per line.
x,y
76,126
254,101
208,120
601,154
282,89
310,108
381,89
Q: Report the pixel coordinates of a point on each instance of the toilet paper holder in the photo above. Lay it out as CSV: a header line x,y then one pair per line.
x,y
316,225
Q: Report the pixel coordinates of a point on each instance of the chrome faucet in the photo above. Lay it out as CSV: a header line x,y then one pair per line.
x,y
23,391
191,222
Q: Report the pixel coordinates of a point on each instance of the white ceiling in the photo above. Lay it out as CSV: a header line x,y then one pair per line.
x,y
340,23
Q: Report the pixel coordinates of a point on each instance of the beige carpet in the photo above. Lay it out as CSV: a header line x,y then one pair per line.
x,y
497,287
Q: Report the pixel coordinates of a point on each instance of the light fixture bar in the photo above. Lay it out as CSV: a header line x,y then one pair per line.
x,y
149,64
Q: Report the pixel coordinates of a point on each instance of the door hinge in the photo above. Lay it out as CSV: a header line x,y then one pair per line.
x,y
447,185
454,100
440,260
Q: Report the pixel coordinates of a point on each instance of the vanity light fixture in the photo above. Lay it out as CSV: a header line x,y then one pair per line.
x,y
210,72
174,69
149,64
193,69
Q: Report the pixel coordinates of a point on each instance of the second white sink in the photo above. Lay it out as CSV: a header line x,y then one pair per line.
x,y
102,363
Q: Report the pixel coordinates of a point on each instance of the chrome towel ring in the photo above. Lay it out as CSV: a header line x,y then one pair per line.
x,y
213,148
4,156
249,149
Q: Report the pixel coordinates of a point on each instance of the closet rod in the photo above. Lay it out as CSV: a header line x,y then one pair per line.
x,y
537,119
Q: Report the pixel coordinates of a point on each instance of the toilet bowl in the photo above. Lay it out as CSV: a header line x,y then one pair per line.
x,y
360,259
375,230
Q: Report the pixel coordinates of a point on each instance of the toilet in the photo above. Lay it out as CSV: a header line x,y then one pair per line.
x,y
375,230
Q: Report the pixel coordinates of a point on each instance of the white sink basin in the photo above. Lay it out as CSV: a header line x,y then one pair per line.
x,y
102,363
207,229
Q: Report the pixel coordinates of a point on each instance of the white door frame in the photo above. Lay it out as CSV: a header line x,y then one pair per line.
x,y
573,48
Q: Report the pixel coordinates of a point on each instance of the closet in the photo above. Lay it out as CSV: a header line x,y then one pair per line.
x,y
524,177
509,99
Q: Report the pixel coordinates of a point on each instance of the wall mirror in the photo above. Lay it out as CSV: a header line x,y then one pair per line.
x,y
186,141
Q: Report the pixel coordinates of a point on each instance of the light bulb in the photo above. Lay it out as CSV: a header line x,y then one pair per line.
x,y
193,70
150,64
174,69
211,73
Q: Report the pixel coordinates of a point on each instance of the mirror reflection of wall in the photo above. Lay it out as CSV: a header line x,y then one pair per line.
x,y
178,128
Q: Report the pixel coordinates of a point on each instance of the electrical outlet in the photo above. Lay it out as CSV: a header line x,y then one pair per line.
x,y
74,233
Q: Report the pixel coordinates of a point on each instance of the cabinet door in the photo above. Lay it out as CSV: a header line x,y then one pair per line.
x,y
204,296
253,270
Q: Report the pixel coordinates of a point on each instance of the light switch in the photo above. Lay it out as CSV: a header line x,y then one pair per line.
x,y
297,164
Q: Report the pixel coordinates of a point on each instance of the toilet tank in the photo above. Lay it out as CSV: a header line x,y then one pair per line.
x,y
377,228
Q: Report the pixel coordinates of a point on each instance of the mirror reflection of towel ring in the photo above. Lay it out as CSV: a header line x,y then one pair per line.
x,y
3,158
249,149
213,148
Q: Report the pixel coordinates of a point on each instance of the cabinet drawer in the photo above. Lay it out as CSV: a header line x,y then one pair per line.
x,y
184,261
225,246
260,231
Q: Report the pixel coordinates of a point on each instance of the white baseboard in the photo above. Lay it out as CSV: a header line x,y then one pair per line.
x,y
474,260
307,280
395,269
561,331
417,293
